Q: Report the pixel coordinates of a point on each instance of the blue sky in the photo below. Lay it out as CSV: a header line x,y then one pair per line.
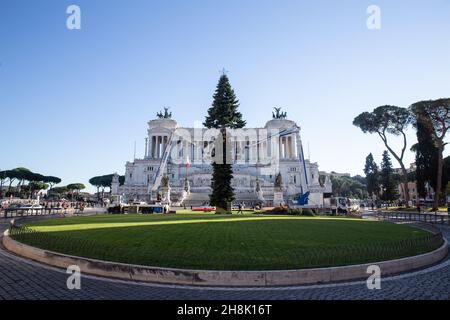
x,y
73,102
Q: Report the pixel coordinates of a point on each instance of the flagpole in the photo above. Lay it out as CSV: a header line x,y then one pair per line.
x,y
187,164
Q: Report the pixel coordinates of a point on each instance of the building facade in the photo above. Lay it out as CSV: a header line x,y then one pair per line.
x,y
176,167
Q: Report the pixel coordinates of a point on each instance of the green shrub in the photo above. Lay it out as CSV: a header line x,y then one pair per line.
x,y
291,212
308,213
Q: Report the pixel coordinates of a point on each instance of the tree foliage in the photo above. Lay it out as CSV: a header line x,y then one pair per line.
x,y
104,181
351,187
427,152
75,186
387,179
224,111
386,120
51,180
438,114
20,176
372,175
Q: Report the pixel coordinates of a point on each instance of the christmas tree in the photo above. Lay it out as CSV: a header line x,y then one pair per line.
x,y
223,115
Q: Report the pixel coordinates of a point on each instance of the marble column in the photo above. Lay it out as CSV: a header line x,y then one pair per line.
x,y
280,146
159,147
152,147
284,147
146,148
294,141
290,147
164,138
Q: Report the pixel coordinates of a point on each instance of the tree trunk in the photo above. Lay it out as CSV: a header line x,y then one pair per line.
x,y
437,192
405,184
19,187
404,173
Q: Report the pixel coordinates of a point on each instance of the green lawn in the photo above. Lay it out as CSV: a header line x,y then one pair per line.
x,y
225,242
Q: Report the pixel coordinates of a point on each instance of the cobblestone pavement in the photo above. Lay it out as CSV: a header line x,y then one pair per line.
x,y
24,279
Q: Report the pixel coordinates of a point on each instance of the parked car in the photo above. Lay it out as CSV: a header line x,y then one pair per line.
x,y
31,206
14,206
139,203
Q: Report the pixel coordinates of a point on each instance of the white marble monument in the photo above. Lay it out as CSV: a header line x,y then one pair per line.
x,y
258,156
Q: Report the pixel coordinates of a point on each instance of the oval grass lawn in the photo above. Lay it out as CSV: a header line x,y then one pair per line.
x,y
222,242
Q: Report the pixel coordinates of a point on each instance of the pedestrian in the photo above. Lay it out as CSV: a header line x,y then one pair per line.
x,y
240,208
418,205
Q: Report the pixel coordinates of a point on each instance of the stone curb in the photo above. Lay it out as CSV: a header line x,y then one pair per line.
x,y
223,278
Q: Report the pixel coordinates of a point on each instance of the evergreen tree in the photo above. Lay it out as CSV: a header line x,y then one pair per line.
x,y
438,111
427,153
223,115
372,176
388,179
224,111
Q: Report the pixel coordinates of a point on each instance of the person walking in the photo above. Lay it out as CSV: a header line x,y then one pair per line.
x,y
418,205
240,208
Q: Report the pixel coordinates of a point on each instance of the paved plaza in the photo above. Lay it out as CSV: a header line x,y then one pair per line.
x,y
24,279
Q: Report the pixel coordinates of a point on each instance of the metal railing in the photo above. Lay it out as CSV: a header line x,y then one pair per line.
x,y
415,216
25,212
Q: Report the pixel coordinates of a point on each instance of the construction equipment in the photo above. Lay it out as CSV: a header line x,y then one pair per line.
x,y
162,166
